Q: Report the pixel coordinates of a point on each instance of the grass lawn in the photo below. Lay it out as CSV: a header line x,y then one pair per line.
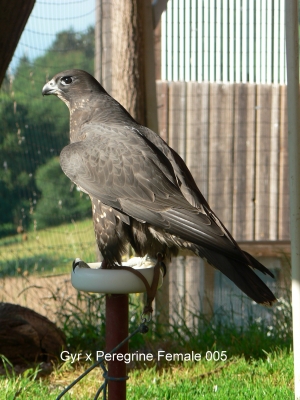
x,y
45,251
271,378
249,372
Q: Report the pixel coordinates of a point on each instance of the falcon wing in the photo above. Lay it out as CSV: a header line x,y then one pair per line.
x,y
117,166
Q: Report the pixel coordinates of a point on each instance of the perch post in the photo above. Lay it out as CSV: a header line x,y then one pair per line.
x,y
116,331
116,284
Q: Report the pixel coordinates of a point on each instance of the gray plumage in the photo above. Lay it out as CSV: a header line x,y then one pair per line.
x,y
142,192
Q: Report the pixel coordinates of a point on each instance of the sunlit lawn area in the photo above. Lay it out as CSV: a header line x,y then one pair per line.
x,y
271,378
47,251
265,372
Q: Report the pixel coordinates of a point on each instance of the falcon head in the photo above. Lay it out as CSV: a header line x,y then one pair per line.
x,y
67,85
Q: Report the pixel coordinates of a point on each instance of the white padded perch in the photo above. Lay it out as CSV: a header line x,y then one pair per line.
x,y
114,281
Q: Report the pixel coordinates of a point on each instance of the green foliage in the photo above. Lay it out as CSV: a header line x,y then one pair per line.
x,y
235,379
34,129
16,183
83,322
264,379
60,201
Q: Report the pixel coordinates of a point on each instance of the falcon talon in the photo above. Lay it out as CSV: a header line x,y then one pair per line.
x,y
163,268
141,190
104,265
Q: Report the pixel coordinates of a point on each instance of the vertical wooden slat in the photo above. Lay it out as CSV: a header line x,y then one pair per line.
x,y
162,91
197,133
181,288
221,151
194,284
283,206
173,299
177,117
164,55
244,161
197,120
274,162
158,50
234,139
177,289
208,294
98,41
177,140
162,301
262,199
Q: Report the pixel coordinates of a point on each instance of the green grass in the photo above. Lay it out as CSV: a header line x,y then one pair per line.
x,y
238,378
259,364
44,251
83,321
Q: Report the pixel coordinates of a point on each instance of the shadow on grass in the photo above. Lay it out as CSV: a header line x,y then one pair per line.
x,y
28,265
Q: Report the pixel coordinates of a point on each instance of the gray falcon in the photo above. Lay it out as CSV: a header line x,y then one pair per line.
x,y
142,192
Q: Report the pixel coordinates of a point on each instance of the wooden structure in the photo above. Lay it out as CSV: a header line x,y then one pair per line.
x,y
233,137
228,41
13,18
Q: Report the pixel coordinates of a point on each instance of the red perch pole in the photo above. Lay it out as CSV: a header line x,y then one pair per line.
x,y
116,331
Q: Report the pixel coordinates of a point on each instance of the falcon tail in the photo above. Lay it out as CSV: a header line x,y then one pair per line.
x,y
240,273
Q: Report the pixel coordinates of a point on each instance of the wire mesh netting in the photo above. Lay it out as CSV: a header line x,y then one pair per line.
x,y
233,137
35,194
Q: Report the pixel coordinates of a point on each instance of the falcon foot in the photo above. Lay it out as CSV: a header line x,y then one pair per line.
x,y
106,265
151,290
163,267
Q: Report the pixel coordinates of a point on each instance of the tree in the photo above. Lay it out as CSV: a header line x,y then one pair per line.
x,y
32,130
124,31
60,200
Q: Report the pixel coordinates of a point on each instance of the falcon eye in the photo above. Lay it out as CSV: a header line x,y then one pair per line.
x,y
66,80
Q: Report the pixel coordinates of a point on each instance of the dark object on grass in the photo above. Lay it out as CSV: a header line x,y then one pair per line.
x,y
142,192
26,336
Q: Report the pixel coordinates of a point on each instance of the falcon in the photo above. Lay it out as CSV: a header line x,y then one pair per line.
x,y
141,190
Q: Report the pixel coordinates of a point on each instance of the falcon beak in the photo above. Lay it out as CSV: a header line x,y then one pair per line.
x,y
49,88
